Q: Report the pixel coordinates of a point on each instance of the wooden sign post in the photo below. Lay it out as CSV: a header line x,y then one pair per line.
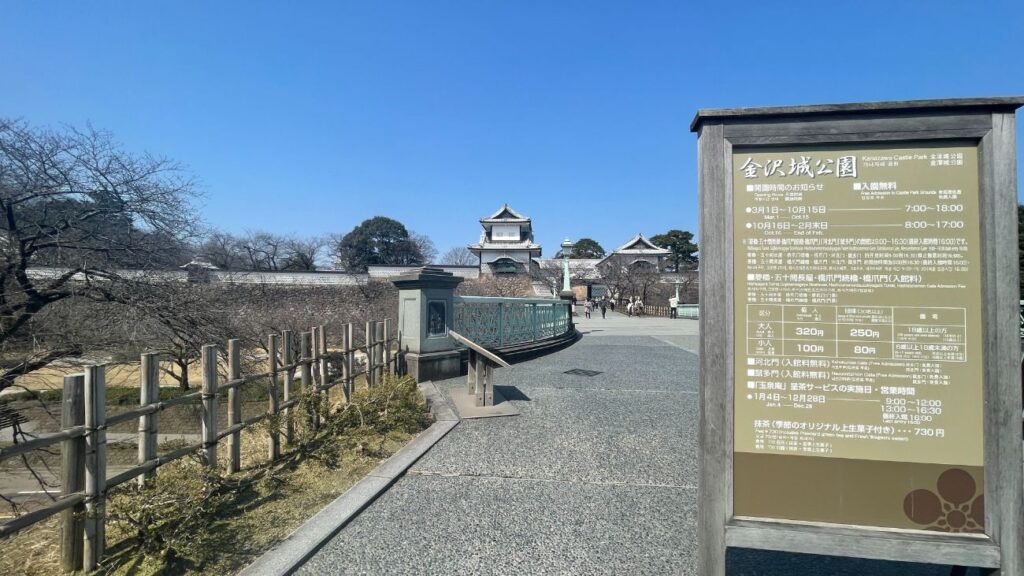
x,y
860,378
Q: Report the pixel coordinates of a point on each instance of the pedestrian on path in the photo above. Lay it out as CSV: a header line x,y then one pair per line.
x,y
604,307
638,307
672,303
629,308
588,307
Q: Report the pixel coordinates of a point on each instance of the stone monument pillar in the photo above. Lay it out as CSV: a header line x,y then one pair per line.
x,y
425,314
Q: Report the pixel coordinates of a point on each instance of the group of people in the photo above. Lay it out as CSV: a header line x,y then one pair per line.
x,y
634,306
604,304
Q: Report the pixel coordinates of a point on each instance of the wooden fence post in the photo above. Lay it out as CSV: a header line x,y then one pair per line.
x,y
378,356
369,354
149,393
72,473
320,374
209,397
288,357
308,385
388,369
400,366
343,367
272,403
350,360
314,358
234,406
314,366
95,466
321,352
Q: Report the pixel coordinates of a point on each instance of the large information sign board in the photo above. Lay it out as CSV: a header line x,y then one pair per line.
x,y
859,392
860,354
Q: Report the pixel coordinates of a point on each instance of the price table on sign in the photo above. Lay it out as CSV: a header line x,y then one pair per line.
x,y
876,332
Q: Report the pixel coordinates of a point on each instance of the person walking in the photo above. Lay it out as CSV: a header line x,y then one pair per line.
x,y
638,307
629,307
604,307
672,303
588,307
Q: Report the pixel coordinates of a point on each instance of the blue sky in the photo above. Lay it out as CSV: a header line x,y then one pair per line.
x,y
307,118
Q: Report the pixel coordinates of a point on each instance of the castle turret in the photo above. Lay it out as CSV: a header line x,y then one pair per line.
x,y
506,244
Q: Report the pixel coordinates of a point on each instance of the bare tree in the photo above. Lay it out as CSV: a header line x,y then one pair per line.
x,y
177,318
74,199
510,286
625,280
426,246
263,251
303,254
459,256
640,276
222,250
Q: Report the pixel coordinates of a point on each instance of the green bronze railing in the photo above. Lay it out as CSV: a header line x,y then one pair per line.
x,y
502,322
688,311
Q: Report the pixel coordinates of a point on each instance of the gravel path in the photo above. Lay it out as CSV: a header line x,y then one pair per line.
x,y
597,475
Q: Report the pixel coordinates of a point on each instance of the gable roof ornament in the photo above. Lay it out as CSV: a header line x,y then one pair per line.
x,y
639,244
505,214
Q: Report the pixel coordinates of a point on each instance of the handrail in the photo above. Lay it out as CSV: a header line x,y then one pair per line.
x,y
500,299
479,349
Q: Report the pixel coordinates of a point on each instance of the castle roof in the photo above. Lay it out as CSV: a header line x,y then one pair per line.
x,y
505,215
638,246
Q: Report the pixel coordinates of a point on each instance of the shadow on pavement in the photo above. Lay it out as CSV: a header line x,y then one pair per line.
x,y
746,562
511,393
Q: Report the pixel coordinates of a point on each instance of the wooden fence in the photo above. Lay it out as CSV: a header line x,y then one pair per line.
x,y
84,422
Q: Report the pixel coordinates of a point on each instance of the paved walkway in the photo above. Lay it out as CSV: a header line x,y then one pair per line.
x,y
597,475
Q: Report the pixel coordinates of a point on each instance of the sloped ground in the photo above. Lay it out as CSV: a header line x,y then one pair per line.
x,y
597,475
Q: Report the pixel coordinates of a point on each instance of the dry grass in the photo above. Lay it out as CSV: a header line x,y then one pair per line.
x,y
35,551
51,377
260,518
246,515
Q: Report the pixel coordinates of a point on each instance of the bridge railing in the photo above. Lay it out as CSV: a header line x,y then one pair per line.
x,y
691,311
503,322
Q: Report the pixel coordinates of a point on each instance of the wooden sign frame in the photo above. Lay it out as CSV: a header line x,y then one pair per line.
x,y
988,122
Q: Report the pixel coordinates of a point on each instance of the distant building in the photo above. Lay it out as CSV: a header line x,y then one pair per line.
x,y
506,244
639,251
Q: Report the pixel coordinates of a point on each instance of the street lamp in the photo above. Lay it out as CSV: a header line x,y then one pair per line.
x,y
566,293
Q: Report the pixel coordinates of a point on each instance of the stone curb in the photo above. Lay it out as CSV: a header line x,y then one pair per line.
x,y
292,552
